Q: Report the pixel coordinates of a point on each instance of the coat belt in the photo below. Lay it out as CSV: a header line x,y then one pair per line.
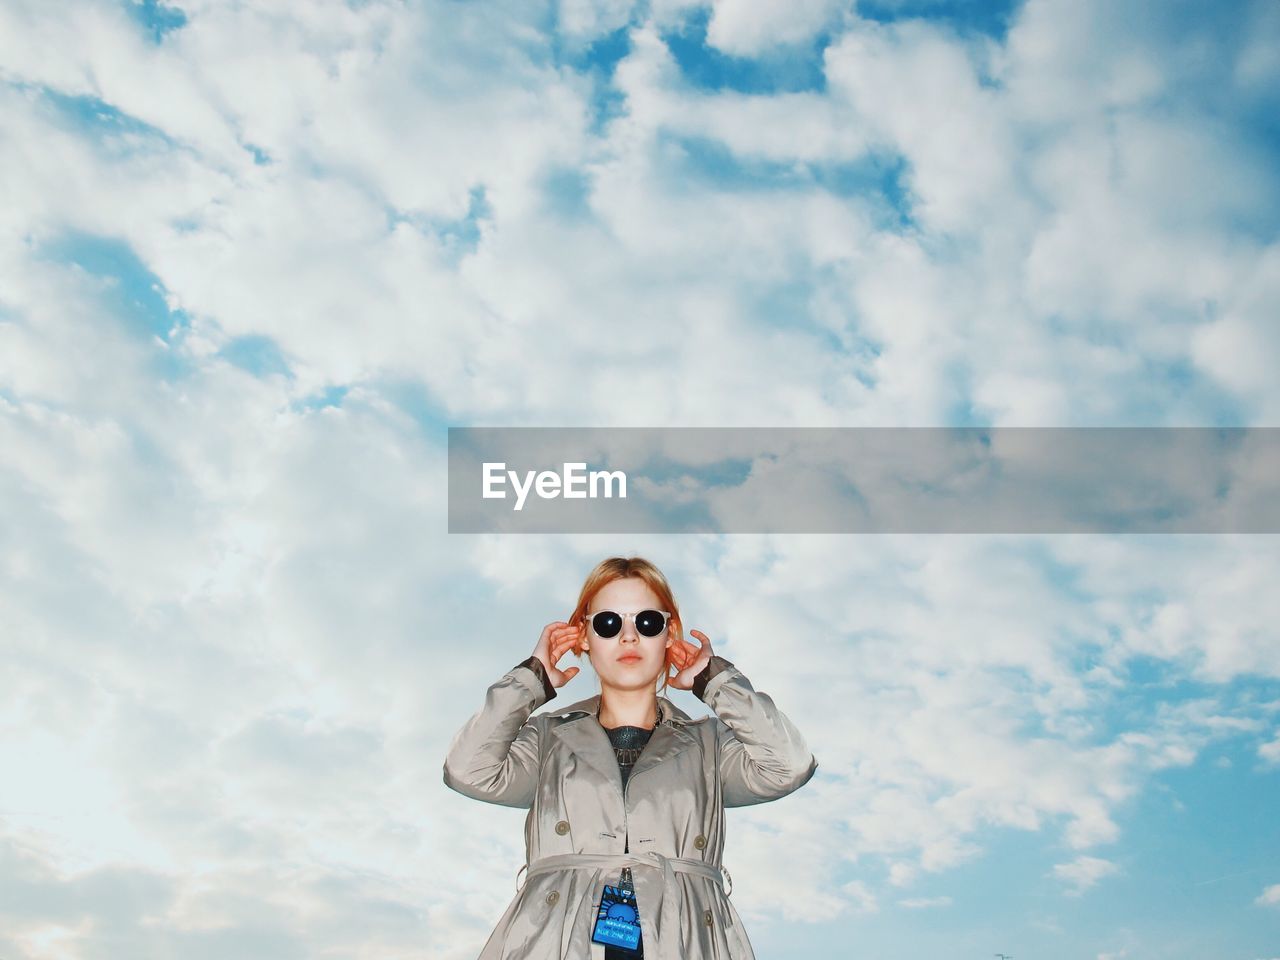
x,y
669,866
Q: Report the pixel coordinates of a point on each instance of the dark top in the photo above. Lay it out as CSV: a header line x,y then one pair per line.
x,y
628,743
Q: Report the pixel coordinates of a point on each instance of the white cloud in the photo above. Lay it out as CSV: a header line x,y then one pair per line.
x,y
588,19
1232,345
1083,872
752,27
1269,897
860,896
1270,751
917,89
924,903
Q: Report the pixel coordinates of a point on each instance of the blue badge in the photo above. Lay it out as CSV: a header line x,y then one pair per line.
x,y
618,922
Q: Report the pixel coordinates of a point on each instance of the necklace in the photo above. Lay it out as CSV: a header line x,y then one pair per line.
x,y
628,741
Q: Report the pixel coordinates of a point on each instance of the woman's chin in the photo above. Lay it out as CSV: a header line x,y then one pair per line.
x,y
631,679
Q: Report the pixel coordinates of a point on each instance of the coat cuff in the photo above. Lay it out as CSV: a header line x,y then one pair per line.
x,y
716,664
537,666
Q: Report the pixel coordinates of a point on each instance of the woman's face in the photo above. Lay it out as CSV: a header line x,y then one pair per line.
x,y
629,595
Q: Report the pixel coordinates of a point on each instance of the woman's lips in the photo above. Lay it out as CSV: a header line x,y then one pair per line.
x,y
629,658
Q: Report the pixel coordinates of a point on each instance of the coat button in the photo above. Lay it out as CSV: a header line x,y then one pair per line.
x,y
699,841
562,827
554,896
706,917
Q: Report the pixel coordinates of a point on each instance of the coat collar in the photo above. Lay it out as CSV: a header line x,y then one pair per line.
x,y
582,733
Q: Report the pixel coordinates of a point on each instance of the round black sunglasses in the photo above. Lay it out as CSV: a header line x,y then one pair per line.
x,y
649,623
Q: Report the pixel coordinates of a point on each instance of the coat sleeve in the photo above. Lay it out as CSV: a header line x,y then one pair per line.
x,y
763,756
495,756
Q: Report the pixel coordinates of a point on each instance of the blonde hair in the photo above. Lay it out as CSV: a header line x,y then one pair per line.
x,y
621,568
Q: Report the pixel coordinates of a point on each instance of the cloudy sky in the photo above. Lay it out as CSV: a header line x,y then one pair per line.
x,y
256,257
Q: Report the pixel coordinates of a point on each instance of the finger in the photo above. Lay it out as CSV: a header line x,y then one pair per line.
x,y
559,647
562,646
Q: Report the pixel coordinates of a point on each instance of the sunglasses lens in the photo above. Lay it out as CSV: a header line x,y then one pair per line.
x,y
606,623
650,622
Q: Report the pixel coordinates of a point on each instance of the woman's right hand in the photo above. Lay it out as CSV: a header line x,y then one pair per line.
x,y
557,639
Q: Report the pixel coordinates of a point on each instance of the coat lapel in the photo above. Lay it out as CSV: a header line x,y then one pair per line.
x,y
587,739
667,741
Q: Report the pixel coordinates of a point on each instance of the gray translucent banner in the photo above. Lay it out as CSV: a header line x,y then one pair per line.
x,y
863,480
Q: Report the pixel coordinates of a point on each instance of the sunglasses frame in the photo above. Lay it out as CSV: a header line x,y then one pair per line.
x,y
589,619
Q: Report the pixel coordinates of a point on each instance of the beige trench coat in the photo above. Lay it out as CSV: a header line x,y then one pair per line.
x,y
561,766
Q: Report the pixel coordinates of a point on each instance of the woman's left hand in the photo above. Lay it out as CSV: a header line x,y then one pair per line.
x,y
689,660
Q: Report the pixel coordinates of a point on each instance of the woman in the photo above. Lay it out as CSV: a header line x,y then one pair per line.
x,y
626,792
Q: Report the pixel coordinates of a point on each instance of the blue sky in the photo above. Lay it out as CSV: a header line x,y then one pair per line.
x,y
258,260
